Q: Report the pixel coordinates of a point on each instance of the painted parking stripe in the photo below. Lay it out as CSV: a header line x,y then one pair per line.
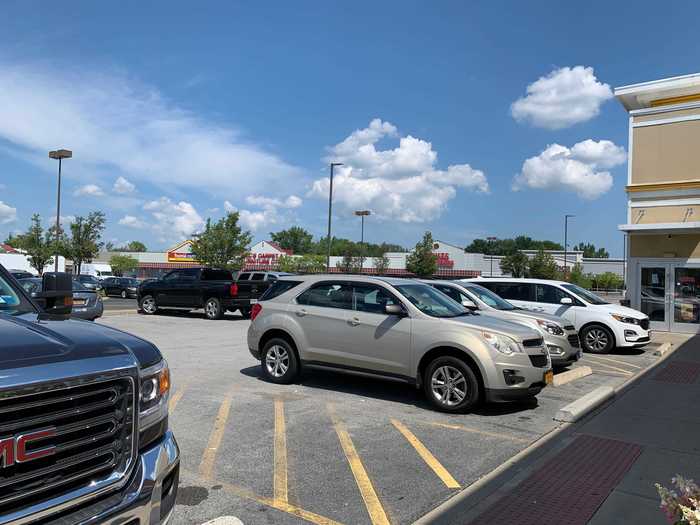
x,y
280,455
176,399
610,359
611,367
481,432
374,507
206,467
427,456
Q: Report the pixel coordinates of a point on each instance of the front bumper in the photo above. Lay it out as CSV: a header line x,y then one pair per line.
x,y
630,335
518,376
148,498
561,349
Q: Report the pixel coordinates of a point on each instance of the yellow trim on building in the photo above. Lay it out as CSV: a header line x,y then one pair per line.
x,y
674,100
660,186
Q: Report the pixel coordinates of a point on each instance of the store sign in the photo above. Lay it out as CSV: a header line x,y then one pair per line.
x,y
181,253
444,261
262,259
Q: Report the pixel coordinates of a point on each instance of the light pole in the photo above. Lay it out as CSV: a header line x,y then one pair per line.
x,y
491,241
362,214
59,154
566,240
330,211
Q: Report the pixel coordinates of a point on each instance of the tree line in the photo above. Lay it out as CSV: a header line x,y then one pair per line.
x,y
523,242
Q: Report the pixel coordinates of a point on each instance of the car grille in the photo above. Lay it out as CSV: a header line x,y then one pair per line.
x,y
573,340
569,327
533,342
644,323
539,361
93,442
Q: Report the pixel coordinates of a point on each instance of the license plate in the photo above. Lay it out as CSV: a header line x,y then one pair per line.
x,y
549,377
78,302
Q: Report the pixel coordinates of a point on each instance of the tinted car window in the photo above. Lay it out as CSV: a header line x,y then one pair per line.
x,y
328,295
430,301
10,301
190,274
172,276
278,288
371,298
258,277
31,285
550,294
450,292
244,276
513,291
216,275
78,287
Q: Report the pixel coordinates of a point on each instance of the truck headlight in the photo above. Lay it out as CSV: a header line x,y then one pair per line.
x,y
502,343
625,319
154,394
550,327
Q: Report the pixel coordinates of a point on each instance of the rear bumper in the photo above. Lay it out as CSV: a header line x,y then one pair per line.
x,y
148,499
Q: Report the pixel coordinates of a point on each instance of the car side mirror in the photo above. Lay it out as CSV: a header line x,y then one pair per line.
x,y
56,296
566,300
394,309
469,304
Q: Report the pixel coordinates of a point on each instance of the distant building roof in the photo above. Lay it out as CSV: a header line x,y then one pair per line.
x,y
6,248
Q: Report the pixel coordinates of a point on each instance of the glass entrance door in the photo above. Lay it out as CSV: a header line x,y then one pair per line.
x,y
685,299
655,296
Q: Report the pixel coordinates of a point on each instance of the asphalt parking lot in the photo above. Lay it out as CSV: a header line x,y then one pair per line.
x,y
333,448
119,304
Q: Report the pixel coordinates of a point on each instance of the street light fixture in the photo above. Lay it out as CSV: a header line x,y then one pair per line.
x,y
491,241
330,210
362,214
566,241
59,155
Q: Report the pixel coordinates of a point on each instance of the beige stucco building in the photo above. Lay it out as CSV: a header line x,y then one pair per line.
x,y
663,208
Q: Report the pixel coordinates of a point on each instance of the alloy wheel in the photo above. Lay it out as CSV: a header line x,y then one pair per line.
x,y
277,361
596,339
212,309
448,385
148,305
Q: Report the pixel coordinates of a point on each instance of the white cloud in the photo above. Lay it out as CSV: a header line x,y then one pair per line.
x,y
269,202
8,214
132,222
402,183
274,211
122,186
173,220
580,168
563,98
89,190
229,208
116,125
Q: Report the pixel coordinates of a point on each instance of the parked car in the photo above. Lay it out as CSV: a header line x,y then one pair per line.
x,y
261,276
21,274
89,281
99,270
87,304
192,288
122,286
84,424
560,335
400,329
601,325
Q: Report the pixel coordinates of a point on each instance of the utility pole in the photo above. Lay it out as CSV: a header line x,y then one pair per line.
x,y
58,154
330,211
566,246
491,241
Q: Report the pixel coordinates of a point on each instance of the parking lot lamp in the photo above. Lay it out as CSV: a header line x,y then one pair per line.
x,y
362,214
566,246
59,154
491,241
330,211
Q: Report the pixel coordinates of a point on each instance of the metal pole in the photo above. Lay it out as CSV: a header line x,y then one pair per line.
x,y
624,264
330,210
566,232
362,242
58,217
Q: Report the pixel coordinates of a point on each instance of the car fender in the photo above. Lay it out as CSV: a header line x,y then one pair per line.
x,y
466,342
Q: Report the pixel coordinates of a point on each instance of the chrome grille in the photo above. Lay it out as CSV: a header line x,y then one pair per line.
x,y
92,440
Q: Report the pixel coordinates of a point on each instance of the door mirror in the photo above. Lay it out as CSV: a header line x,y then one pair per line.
x,y
394,309
56,296
566,300
469,304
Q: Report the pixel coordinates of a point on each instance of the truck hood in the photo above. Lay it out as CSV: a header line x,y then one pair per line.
x,y
492,324
32,339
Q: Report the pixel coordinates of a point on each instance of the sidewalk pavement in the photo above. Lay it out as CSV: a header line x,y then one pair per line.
x,y
602,469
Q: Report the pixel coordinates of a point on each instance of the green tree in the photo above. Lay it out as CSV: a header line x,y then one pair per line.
x,y
577,276
351,262
510,246
607,281
422,262
310,263
12,240
516,264
222,244
295,238
122,264
543,266
133,246
288,263
38,244
84,243
589,250
381,264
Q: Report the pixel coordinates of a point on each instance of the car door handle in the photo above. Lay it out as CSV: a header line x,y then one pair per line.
x,y
354,321
302,313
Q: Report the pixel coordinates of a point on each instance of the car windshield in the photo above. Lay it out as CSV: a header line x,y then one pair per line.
x,y
31,285
11,302
586,295
490,298
132,282
78,286
430,301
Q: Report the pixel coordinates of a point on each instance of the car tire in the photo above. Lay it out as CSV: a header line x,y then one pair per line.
x,y
124,295
279,362
451,385
212,309
148,305
245,312
597,339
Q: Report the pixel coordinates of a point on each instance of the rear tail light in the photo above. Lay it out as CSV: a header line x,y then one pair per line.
x,y
257,308
233,290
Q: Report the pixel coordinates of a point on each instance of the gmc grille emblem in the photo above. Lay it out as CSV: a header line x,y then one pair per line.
x,y
14,449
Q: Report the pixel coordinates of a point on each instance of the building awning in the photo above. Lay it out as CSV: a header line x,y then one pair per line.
x,y
168,265
661,227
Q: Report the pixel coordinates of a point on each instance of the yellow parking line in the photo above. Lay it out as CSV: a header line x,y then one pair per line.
x,y
206,467
621,370
374,507
615,361
176,399
280,455
482,432
440,471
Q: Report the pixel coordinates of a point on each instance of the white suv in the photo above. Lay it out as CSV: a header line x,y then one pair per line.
x,y
601,325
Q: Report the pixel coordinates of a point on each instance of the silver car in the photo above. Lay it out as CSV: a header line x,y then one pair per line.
x,y
87,304
560,335
400,329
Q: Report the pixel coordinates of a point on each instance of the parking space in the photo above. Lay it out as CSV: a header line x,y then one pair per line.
x,y
332,448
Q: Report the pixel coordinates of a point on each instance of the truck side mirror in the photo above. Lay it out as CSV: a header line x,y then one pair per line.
x,y
56,296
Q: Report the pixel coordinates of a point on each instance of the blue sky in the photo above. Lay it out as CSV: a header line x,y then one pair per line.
x,y
177,112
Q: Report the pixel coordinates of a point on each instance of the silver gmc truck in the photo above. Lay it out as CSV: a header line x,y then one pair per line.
x,y
84,435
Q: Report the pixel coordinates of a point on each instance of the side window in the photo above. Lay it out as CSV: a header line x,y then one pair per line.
x,y
258,277
371,298
450,292
244,276
550,294
172,277
189,275
328,295
514,291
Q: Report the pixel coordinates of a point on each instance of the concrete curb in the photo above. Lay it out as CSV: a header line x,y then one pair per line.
x,y
663,349
583,405
570,375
